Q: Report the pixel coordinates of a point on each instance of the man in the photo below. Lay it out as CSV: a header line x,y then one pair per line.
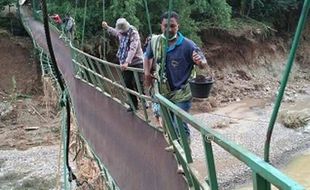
x,y
129,53
173,65
68,27
60,23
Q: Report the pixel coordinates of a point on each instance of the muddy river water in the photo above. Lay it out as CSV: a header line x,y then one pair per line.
x,y
298,169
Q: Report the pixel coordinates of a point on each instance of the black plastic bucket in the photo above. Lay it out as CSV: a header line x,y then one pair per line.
x,y
201,86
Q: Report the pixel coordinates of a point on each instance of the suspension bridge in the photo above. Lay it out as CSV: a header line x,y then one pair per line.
x,y
131,151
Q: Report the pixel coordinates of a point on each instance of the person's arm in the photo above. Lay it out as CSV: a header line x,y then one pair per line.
x,y
148,77
109,29
147,65
133,46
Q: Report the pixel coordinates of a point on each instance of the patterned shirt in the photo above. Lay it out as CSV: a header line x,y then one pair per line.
x,y
135,54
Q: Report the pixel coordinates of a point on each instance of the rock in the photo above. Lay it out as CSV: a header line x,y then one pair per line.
x,y
206,107
213,102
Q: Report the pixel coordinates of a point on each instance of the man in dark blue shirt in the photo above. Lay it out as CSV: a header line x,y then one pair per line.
x,y
174,64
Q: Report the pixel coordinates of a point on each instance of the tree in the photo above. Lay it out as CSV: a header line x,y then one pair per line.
x,y
4,3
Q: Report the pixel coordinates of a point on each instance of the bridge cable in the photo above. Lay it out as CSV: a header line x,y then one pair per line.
x,y
166,33
61,84
104,32
148,17
76,4
84,20
300,26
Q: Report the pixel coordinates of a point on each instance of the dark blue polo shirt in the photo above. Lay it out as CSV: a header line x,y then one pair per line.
x,y
179,61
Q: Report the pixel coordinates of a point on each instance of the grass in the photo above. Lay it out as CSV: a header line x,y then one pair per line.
x,y
246,26
294,119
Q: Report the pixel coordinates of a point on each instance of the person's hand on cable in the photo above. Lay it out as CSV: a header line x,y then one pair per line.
x,y
104,24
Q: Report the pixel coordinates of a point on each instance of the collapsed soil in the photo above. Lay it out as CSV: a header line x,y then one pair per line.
x,y
31,122
29,126
246,65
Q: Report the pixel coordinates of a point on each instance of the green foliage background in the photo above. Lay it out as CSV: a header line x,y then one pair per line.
x,y
193,13
196,15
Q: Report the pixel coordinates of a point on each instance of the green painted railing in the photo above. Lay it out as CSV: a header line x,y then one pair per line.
x,y
106,77
263,172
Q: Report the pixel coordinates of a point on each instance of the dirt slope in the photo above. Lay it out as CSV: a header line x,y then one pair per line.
x,y
29,128
249,65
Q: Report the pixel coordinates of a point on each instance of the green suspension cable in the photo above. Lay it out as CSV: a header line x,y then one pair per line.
x,y
61,85
104,32
169,16
148,17
166,44
301,23
84,20
76,2
167,31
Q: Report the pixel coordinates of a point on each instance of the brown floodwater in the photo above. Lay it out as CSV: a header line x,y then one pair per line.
x,y
298,169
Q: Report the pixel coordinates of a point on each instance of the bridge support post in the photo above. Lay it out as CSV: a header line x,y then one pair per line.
x,y
259,183
212,179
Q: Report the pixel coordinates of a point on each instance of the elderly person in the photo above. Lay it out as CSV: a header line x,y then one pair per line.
x,y
129,53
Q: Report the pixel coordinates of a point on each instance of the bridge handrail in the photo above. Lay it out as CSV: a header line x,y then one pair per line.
x,y
102,74
103,61
264,172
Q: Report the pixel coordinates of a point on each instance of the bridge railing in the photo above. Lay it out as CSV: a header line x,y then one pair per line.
x,y
108,78
264,174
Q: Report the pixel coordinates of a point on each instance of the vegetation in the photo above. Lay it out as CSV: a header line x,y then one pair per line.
x,y
295,119
4,3
196,15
